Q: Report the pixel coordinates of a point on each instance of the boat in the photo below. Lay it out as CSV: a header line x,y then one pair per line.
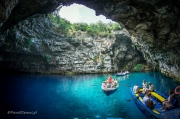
x,y
155,113
109,89
127,72
122,73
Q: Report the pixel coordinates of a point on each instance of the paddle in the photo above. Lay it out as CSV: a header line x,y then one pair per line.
x,y
129,99
94,84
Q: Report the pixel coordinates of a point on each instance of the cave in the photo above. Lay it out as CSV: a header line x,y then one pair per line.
x,y
153,26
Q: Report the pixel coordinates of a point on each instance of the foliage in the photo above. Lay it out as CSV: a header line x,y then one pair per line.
x,y
60,25
138,67
102,61
99,28
133,46
95,58
48,58
28,42
116,27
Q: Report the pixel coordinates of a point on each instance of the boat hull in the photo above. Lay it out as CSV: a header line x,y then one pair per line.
x,y
122,74
109,92
156,113
145,112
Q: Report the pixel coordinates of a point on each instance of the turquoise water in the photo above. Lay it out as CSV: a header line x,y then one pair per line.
x,y
73,97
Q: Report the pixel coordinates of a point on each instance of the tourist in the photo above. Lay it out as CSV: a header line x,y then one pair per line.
x,y
108,85
148,102
115,83
168,103
151,87
136,88
144,84
145,90
110,79
104,85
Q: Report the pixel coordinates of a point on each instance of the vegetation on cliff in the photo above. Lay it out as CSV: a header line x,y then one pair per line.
x,y
99,28
138,67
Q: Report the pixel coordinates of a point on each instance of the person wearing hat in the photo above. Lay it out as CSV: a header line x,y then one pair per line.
x,y
151,87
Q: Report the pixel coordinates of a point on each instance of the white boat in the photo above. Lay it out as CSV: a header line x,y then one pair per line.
x,y
122,73
109,88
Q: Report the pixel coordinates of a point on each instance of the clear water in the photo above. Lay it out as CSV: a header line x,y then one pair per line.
x,y
73,97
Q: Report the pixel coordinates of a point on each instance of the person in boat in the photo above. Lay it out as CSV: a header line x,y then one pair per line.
x,y
108,85
148,102
136,88
151,87
144,84
115,82
110,80
145,90
104,85
126,72
168,103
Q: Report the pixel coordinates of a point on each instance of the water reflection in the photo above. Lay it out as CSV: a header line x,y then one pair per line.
x,y
120,78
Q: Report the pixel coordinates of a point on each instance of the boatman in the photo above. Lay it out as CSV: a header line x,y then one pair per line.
x,y
110,79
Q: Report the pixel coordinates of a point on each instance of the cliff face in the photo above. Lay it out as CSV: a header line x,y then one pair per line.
x,y
32,46
154,25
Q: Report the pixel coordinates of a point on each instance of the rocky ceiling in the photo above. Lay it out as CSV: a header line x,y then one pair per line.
x,y
154,25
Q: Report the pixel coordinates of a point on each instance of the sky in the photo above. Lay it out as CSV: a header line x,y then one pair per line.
x,y
80,13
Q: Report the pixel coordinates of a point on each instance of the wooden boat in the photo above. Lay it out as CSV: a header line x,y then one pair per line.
x,y
108,90
156,113
122,73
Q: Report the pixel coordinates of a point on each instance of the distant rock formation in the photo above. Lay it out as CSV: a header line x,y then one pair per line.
x,y
32,46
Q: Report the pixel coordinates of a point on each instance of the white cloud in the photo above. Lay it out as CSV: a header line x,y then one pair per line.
x,y
71,13
80,13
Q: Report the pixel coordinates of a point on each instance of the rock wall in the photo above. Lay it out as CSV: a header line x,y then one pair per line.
x,y
154,25
32,46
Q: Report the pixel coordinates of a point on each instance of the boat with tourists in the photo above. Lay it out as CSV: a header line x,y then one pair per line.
x,y
109,86
156,113
122,73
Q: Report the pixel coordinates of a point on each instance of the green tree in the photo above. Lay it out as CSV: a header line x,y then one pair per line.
x,y
99,28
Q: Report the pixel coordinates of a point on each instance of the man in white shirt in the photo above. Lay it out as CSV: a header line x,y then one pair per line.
x,y
151,87
136,88
148,102
144,84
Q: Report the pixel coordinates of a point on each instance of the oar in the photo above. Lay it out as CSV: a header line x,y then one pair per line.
x,y
94,84
129,99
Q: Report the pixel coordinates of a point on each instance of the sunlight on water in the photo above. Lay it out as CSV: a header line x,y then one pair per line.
x,y
74,97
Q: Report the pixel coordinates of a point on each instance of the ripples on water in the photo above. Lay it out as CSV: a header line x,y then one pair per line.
x,y
73,97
